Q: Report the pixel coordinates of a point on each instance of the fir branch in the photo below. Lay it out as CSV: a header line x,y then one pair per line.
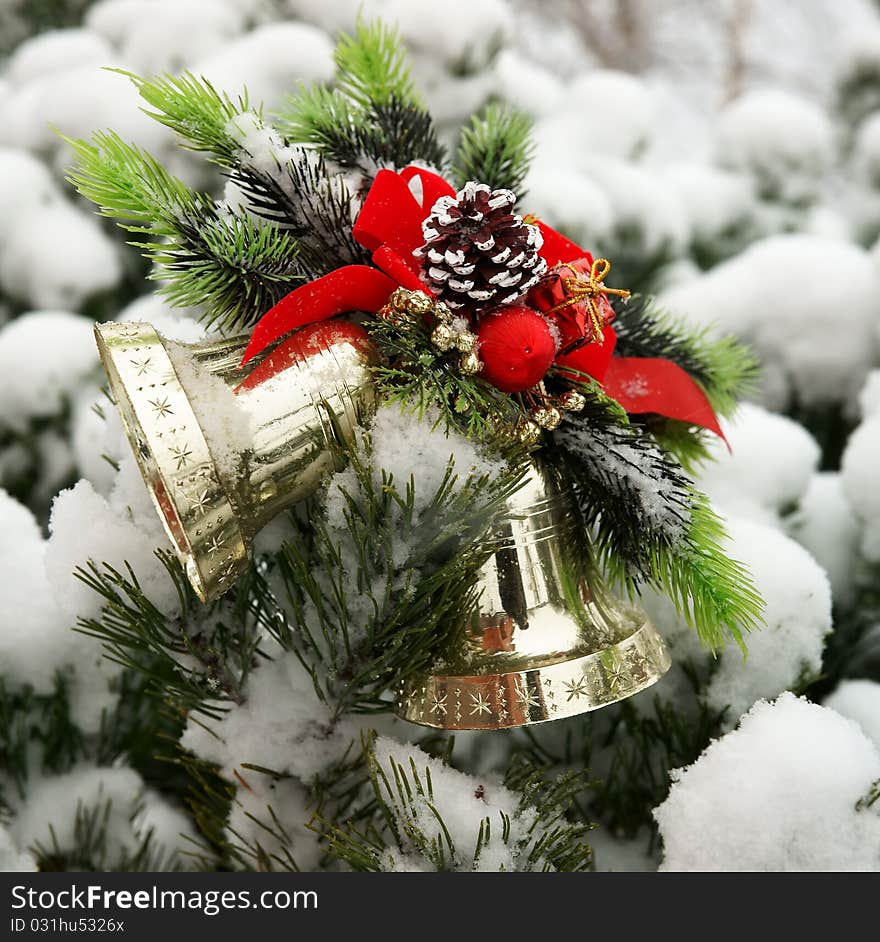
x,y
197,660
558,839
302,198
298,193
325,118
636,517
230,265
91,848
207,256
408,821
374,117
368,604
496,147
371,66
420,377
194,110
688,444
723,366
36,733
392,134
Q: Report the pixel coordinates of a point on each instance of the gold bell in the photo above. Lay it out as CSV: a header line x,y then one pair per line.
x,y
540,647
222,449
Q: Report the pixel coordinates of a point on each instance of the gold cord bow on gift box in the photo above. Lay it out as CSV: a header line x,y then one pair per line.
x,y
586,289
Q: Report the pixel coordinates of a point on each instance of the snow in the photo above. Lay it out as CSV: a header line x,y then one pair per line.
x,y
77,101
27,640
462,802
859,477
13,860
281,725
52,254
866,152
96,432
777,794
783,141
174,323
569,201
57,50
269,61
527,85
25,182
767,468
649,218
123,528
614,855
266,806
858,700
48,814
40,640
156,36
59,258
436,30
614,110
45,357
826,526
869,397
808,305
408,447
719,204
787,647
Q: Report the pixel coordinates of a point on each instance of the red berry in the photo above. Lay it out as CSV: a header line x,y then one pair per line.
x,y
516,347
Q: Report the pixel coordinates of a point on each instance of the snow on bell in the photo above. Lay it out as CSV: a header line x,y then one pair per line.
x,y
541,646
223,449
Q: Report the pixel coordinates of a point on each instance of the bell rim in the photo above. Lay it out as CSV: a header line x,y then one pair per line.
x,y
561,690
174,489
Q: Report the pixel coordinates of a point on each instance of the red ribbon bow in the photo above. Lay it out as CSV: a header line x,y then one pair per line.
x,y
389,225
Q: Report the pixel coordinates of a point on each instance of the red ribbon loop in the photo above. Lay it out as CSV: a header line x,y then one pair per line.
x,y
648,384
352,288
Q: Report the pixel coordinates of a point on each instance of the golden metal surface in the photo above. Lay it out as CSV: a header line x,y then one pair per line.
x,y
212,492
539,648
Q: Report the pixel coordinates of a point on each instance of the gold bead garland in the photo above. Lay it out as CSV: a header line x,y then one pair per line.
x,y
450,331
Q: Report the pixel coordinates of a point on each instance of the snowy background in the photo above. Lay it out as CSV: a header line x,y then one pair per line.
x,y
724,154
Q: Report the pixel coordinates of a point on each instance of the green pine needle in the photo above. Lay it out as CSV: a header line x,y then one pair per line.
x,y
194,110
372,68
496,148
321,116
230,265
406,818
373,117
636,518
420,377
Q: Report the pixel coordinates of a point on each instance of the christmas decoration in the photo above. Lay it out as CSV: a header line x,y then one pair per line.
x,y
224,451
575,298
478,254
445,300
531,652
517,348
